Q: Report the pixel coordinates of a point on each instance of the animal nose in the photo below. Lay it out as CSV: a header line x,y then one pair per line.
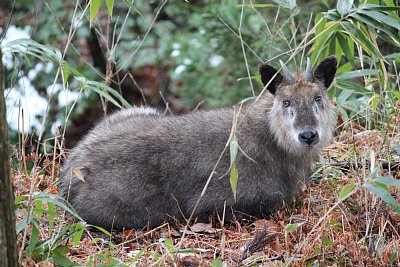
x,y
308,137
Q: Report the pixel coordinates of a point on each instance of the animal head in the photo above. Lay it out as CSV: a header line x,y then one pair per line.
x,y
301,117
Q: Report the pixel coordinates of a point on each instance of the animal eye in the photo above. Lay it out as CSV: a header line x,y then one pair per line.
x,y
286,103
318,99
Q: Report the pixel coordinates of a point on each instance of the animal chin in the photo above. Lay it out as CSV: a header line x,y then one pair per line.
x,y
308,146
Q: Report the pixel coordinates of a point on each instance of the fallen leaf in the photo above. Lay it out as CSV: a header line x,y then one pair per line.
x,y
203,228
77,172
128,232
276,246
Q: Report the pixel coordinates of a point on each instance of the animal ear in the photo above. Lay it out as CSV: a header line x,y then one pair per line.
x,y
267,72
325,72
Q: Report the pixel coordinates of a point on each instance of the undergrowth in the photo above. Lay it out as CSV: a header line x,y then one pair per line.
x,y
349,214
337,220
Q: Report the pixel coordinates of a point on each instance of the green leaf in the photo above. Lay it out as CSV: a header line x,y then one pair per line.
x,y
327,242
346,190
52,214
385,196
393,56
60,260
382,18
94,9
138,255
290,4
101,229
384,30
233,147
58,201
19,200
110,6
218,263
33,239
65,71
387,181
360,37
344,6
293,226
321,43
257,5
25,46
357,73
102,89
346,49
379,7
234,179
132,6
39,208
23,223
79,228
374,172
353,87
343,96
320,22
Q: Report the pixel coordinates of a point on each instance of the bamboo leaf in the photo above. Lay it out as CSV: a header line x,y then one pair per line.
x,y
320,22
360,37
39,208
101,229
379,7
293,226
26,46
257,5
233,147
52,214
387,181
61,260
132,6
234,179
385,196
102,89
23,223
110,91
321,44
33,239
79,228
110,6
351,86
344,6
380,26
357,73
94,9
382,18
58,201
346,190
65,71
346,49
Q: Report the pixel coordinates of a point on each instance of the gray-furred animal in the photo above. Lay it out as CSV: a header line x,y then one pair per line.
x,y
138,166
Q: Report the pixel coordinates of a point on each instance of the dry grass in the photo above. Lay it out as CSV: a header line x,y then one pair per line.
x,y
360,231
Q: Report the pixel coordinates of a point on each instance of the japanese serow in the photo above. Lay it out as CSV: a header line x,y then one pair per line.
x,y
140,167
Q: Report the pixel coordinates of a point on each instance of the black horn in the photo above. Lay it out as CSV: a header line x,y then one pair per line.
x,y
309,75
286,73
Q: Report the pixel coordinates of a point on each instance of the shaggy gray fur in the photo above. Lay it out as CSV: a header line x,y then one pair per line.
x,y
138,166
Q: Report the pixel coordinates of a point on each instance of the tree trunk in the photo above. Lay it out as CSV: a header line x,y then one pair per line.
x,y
8,249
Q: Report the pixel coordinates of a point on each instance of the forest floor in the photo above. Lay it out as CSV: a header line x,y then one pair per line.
x,y
336,221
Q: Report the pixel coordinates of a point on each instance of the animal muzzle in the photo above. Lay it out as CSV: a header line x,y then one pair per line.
x,y
309,137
